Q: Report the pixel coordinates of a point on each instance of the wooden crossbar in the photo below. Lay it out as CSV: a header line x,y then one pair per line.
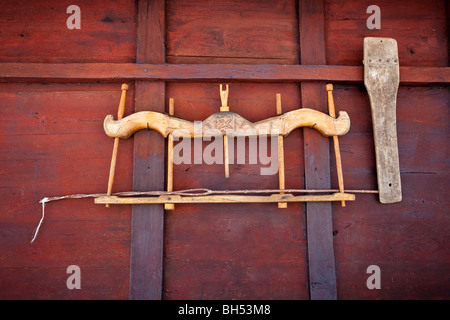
x,y
119,72
282,125
164,199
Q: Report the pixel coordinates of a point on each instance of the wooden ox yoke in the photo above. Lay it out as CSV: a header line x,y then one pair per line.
x,y
228,124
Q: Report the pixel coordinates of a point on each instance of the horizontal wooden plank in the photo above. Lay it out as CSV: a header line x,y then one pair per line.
x,y
211,31
420,28
407,240
225,198
422,117
53,143
71,72
94,243
49,283
235,251
32,31
409,280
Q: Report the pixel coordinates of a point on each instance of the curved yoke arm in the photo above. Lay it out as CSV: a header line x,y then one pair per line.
x,y
229,123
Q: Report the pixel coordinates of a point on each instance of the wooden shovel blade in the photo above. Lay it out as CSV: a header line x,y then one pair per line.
x,y
381,78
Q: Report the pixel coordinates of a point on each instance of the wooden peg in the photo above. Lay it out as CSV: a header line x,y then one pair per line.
x,y
225,156
170,206
225,108
224,98
332,112
120,112
280,155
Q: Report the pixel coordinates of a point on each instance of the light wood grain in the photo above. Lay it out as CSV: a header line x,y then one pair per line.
x,y
226,160
281,177
229,123
381,78
225,108
120,113
337,152
170,206
224,199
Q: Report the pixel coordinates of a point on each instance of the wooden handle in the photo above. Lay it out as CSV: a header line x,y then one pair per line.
x,y
332,112
225,108
226,155
170,206
382,79
121,109
280,155
224,98
120,113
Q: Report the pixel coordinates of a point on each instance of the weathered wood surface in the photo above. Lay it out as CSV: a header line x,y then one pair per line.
x,y
36,32
337,152
227,123
220,32
170,206
321,264
381,78
238,250
147,222
281,175
406,239
420,28
120,111
119,72
224,124
53,143
225,199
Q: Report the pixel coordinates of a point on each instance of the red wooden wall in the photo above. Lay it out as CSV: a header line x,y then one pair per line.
x,y
52,143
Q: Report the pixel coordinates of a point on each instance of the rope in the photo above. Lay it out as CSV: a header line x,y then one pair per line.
x,y
187,193
43,201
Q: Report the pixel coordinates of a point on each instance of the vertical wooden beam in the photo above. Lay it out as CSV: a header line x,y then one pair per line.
x,y
321,264
147,222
